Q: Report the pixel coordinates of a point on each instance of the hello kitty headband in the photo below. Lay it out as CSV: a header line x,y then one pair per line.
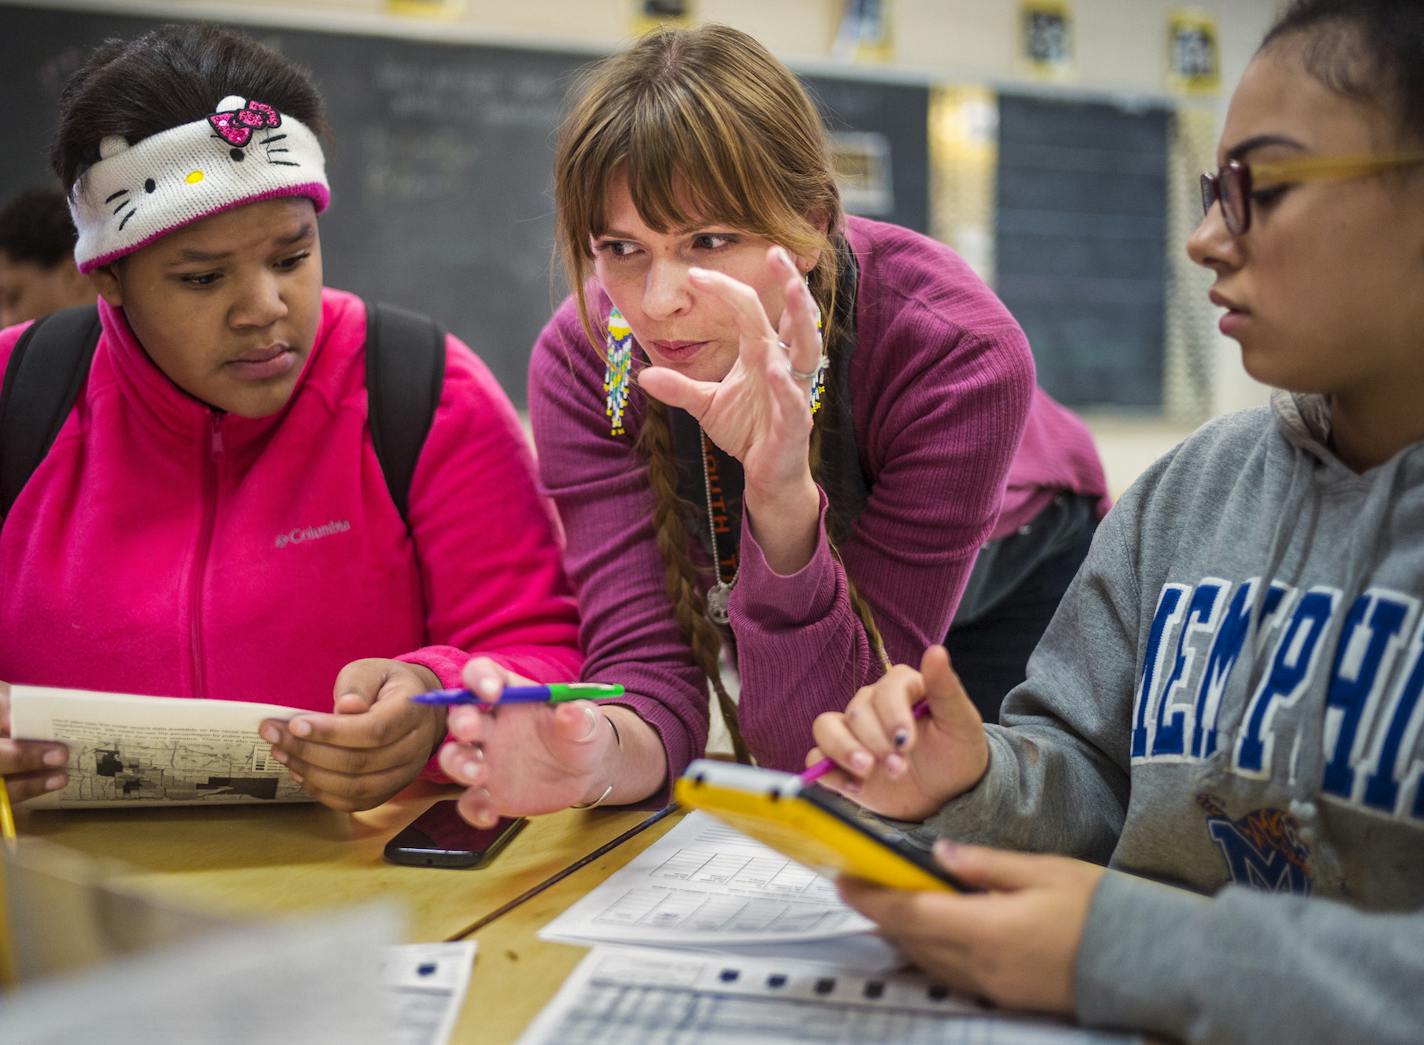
x,y
244,152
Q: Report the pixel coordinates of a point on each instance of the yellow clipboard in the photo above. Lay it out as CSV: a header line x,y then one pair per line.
x,y
809,823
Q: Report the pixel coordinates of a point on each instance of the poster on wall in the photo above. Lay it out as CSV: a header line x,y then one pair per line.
x,y
861,160
864,32
1193,58
1046,36
650,14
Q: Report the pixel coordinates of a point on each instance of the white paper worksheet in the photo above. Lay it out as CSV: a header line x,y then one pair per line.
x,y
425,985
620,994
704,884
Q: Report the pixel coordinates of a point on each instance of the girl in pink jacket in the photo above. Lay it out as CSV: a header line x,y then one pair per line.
x,y
212,519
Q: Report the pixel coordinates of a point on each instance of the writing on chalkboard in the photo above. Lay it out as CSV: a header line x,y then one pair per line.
x,y
440,161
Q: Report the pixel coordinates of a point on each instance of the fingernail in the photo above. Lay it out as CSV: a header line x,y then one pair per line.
x,y
861,762
296,776
697,273
270,734
852,787
55,782
894,765
902,737
468,769
488,687
945,849
299,727
55,757
280,756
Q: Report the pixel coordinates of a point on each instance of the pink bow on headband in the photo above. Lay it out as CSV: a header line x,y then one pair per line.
x,y
236,126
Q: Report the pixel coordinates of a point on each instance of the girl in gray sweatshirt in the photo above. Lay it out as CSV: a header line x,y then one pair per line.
x,y
1221,735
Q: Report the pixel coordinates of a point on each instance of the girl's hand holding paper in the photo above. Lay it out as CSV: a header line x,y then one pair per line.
x,y
28,767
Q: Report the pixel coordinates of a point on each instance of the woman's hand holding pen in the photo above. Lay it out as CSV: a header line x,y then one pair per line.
x,y
538,758
28,767
759,413
893,765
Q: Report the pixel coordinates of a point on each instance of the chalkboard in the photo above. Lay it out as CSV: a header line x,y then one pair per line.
x,y
1081,244
439,163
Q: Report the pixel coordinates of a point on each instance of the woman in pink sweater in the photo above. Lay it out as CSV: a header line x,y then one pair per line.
x,y
734,480
212,519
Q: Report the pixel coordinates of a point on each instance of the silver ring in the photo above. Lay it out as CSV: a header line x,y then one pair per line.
x,y
807,375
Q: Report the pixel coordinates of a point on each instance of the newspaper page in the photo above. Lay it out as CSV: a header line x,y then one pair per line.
x,y
127,750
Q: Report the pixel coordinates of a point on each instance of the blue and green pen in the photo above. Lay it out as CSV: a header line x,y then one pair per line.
x,y
553,693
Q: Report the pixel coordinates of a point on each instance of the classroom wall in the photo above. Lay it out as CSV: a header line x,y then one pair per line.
x,y
1120,54
1119,44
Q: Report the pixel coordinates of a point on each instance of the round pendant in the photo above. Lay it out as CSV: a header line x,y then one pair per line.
x,y
719,596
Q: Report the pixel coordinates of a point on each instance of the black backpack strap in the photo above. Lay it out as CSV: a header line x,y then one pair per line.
x,y
48,367
405,369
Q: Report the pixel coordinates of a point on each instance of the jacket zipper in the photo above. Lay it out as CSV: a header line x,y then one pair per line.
x,y
212,456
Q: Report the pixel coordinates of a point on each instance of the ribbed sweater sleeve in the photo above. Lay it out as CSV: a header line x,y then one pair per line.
x,y
941,384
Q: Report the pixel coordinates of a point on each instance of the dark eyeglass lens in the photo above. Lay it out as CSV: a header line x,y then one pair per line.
x,y
1208,192
1232,184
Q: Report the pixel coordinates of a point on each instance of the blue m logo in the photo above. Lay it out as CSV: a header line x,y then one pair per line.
x,y
1262,849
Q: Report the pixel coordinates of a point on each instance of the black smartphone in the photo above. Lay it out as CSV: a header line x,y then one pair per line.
x,y
440,837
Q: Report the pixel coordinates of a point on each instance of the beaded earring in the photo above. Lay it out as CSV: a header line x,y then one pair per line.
x,y
615,374
818,386
619,350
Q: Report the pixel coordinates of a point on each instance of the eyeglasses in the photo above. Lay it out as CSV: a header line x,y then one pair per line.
x,y
1234,183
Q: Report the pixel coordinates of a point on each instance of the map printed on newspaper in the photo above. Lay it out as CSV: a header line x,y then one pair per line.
x,y
127,750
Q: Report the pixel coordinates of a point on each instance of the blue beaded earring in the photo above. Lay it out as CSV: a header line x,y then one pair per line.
x,y
615,374
818,386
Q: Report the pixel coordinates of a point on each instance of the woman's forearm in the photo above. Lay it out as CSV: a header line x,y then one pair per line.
x,y
785,524
634,763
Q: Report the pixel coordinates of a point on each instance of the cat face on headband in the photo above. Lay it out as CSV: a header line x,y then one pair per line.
x,y
243,152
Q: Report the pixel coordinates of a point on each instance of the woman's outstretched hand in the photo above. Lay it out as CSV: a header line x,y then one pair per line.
x,y
538,758
760,413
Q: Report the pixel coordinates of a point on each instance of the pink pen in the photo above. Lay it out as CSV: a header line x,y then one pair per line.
x,y
821,768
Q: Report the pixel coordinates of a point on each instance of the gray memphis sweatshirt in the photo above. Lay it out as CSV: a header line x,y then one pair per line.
x,y
1260,743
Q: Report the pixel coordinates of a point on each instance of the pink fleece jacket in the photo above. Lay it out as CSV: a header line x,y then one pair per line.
x,y
162,547
950,429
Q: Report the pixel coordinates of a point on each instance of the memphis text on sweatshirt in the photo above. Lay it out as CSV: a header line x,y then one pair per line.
x,y
1366,655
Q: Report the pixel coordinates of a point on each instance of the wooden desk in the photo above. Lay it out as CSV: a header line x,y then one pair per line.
x,y
247,862
516,974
